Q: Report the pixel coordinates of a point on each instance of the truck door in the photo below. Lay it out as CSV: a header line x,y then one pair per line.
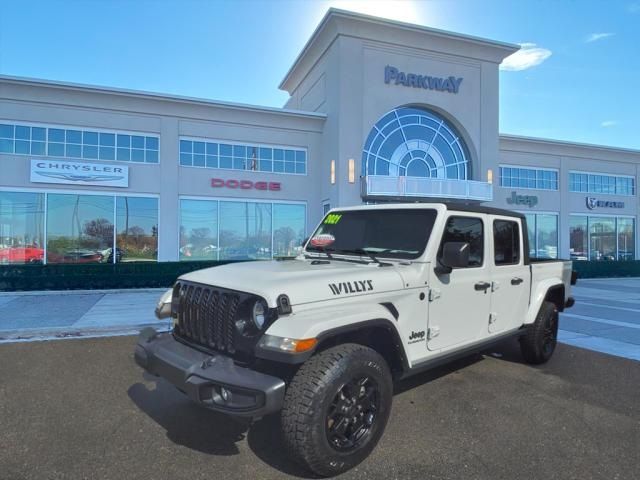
x,y
510,277
459,301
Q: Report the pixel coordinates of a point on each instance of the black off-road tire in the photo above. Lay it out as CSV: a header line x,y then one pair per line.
x,y
539,343
311,396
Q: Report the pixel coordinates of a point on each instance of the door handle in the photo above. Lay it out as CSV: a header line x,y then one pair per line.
x,y
482,286
516,281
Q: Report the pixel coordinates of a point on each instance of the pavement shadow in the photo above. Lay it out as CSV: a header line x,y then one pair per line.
x,y
212,433
508,350
435,373
186,423
266,442
197,428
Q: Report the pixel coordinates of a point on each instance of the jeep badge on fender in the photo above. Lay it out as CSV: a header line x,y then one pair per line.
x,y
321,338
417,336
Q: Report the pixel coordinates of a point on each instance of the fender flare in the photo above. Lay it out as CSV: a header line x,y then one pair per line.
x,y
367,324
539,295
326,323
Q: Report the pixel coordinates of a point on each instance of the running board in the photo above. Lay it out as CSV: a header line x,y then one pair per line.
x,y
458,354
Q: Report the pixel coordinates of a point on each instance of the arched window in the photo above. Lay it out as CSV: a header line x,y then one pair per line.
x,y
414,142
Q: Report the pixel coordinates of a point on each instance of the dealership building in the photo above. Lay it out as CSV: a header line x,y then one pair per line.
x,y
378,111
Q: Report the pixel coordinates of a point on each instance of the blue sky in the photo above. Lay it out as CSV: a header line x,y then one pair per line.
x,y
577,80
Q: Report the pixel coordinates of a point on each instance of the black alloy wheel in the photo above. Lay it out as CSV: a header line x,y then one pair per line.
x,y
352,414
541,337
336,408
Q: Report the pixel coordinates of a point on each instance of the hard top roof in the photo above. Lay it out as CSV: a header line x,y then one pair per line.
x,y
453,206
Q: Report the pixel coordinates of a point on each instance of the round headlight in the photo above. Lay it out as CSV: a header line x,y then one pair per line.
x,y
258,314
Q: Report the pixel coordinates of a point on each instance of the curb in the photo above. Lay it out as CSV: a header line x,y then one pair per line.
x,y
82,292
61,333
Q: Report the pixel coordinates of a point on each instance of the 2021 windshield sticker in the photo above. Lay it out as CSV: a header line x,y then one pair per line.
x,y
332,218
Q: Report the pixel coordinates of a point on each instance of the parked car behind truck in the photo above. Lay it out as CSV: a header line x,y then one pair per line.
x,y
380,293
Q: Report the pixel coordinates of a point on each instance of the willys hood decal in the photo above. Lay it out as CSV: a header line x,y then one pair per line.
x,y
301,280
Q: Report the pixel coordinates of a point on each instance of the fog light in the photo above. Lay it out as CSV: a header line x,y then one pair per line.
x,y
225,394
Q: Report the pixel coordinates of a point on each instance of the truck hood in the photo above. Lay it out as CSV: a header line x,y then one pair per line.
x,y
303,281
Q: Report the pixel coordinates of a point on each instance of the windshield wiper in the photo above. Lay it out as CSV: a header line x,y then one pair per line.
x,y
322,250
331,257
362,251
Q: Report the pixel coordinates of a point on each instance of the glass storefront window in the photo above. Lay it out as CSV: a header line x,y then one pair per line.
x,y
578,238
602,238
136,230
21,227
531,232
245,231
79,228
542,229
228,230
288,229
626,239
547,236
198,230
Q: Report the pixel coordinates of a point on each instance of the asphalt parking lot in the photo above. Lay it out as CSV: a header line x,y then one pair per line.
x,y
82,409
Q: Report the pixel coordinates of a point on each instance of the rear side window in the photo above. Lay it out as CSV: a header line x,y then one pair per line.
x,y
469,230
506,242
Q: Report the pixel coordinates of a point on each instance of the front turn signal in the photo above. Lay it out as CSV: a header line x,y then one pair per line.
x,y
290,345
306,344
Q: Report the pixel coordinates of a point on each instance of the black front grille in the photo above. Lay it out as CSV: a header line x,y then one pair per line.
x,y
206,315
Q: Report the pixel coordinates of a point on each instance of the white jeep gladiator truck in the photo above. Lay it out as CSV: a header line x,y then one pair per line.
x,y
379,293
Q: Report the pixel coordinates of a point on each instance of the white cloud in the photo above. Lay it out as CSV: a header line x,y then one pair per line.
x,y
608,123
594,37
528,56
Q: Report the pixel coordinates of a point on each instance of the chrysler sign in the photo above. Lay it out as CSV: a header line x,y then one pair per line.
x,y
75,173
449,84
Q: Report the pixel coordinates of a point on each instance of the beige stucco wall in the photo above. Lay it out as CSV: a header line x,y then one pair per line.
x,y
337,93
566,157
53,105
341,70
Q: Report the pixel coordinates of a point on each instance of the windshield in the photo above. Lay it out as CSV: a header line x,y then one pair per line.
x,y
393,233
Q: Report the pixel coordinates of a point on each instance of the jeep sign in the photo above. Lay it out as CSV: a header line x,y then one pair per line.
x,y
245,184
528,200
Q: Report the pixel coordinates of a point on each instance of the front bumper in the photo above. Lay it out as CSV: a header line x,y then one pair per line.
x,y
212,380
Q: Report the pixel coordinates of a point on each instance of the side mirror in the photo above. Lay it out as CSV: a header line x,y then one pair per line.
x,y
454,255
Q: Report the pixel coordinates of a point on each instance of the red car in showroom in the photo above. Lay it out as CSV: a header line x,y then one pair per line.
x,y
22,254
33,254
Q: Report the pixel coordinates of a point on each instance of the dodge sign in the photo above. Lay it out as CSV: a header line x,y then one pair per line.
x,y
245,184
